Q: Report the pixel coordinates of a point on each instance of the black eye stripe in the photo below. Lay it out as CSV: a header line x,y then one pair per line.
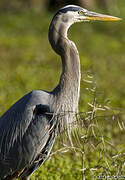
x,y
69,9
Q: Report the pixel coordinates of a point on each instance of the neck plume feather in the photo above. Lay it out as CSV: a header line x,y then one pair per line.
x,y
66,94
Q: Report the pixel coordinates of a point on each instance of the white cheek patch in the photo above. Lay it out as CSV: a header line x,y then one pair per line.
x,y
69,17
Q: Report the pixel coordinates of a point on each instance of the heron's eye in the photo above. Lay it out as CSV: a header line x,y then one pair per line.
x,y
80,12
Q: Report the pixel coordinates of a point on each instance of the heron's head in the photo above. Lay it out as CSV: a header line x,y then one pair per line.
x,y
67,16
71,14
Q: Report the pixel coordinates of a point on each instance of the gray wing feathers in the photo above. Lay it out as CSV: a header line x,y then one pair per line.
x,y
43,155
22,133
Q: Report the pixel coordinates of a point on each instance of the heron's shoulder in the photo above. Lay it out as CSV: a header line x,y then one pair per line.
x,y
39,93
30,99
35,97
27,102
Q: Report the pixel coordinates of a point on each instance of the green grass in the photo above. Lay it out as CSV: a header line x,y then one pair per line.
x,y
27,62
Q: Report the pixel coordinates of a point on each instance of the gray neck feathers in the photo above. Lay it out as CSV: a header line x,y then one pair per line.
x,y
66,94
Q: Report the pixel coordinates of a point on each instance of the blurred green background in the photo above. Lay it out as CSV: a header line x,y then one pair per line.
x,y
27,62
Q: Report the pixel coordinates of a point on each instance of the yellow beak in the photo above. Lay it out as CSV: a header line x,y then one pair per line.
x,y
99,17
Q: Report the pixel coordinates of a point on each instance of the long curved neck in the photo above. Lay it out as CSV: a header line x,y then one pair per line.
x,y
69,84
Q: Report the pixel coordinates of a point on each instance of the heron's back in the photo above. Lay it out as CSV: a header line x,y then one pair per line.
x,y
23,132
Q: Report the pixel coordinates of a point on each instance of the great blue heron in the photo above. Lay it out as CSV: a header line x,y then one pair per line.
x,y
27,129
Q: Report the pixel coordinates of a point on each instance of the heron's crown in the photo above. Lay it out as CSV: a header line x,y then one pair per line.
x,y
68,8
